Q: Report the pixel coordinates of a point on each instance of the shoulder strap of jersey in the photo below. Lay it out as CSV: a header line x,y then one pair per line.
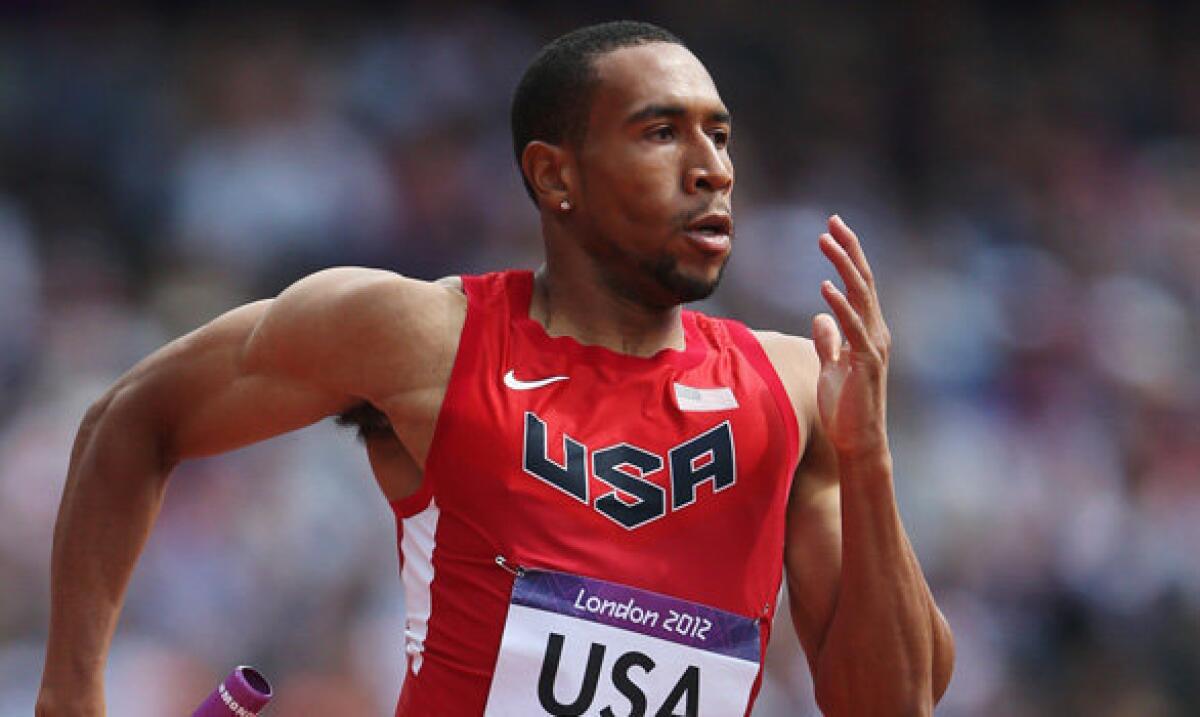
x,y
419,501
752,349
478,366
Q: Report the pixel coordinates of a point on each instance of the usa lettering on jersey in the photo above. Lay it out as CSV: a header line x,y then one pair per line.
x,y
624,467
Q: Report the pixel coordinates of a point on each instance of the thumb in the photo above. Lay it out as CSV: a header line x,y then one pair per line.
x,y
826,338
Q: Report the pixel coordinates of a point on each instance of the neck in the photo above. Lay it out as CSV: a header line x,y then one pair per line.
x,y
575,301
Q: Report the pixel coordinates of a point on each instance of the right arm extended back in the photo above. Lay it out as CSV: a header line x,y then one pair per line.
x,y
332,340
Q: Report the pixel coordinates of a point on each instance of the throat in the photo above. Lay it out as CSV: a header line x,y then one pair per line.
x,y
594,316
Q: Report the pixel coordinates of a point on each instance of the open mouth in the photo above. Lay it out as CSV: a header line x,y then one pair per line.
x,y
711,232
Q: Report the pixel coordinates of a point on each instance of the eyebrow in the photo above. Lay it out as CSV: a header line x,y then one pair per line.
x,y
656,111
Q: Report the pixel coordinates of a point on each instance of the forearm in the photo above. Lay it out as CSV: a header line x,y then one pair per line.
x,y
886,648
112,496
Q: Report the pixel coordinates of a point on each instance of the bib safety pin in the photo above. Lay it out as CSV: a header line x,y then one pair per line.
x,y
502,562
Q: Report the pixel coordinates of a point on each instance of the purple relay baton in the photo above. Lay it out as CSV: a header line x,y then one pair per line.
x,y
242,694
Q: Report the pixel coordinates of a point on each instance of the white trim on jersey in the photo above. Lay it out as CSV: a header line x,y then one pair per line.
x,y
417,546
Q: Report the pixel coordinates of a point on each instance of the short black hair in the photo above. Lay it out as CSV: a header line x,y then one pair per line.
x,y
554,96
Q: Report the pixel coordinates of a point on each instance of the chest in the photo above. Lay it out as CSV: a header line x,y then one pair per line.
x,y
574,450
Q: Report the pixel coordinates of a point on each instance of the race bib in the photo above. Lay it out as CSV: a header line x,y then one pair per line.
x,y
578,646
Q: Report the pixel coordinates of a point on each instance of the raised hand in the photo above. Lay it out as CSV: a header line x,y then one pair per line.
x,y
852,385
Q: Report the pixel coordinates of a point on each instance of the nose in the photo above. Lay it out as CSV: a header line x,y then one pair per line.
x,y
711,170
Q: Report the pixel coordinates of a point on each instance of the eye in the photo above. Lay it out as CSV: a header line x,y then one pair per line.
x,y
720,138
662,133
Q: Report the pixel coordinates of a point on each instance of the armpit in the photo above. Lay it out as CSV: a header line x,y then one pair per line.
x,y
369,421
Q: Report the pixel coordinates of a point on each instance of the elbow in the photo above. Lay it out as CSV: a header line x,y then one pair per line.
x,y
122,426
866,683
97,411
874,704
839,694
943,656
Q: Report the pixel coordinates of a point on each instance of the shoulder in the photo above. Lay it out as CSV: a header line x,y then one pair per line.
x,y
353,300
794,359
370,321
357,289
794,356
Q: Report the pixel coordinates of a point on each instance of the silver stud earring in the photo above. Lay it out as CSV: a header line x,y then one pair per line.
x,y
564,205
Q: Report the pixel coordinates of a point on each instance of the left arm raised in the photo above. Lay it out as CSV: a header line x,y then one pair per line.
x,y
875,640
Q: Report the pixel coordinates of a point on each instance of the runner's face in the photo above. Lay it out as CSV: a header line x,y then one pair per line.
x,y
656,176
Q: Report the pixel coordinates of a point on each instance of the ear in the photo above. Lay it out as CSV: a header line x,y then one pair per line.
x,y
547,167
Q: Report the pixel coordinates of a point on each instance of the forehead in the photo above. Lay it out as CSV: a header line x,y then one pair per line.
x,y
653,73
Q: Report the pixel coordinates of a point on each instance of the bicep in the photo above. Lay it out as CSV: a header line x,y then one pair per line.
x,y
207,392
813,557
331,340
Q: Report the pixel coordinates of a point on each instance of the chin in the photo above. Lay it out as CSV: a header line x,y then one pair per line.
x,y
686,286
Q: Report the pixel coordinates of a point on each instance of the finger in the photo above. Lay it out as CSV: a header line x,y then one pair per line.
x,y
826,338
849,240
860,294
849,320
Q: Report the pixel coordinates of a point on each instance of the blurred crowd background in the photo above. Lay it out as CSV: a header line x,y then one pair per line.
x,y
1026,178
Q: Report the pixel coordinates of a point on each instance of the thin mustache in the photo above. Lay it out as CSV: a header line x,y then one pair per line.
x,y
688,216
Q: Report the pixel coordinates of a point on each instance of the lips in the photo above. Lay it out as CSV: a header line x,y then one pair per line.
x,y
711,232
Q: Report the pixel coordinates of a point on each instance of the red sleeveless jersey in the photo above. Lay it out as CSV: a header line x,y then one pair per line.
x,y
668,473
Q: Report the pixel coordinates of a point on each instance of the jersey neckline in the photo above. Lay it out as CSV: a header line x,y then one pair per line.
x,y
521,288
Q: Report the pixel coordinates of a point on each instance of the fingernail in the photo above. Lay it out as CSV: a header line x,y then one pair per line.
x,y
838,217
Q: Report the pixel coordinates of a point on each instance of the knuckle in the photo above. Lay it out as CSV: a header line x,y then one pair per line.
x,y
871,362
884,344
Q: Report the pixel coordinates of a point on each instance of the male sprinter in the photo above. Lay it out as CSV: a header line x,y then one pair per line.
x,y
600,491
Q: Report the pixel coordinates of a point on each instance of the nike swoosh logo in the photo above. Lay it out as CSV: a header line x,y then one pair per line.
x,y
517,384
